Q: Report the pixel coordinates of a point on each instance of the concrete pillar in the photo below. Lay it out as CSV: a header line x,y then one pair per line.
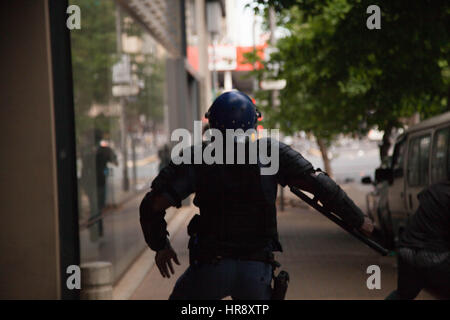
x,y
227,81
29,232
96,281
176,76
205,86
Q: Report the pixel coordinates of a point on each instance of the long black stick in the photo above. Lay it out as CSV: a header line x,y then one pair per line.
x,y
357,234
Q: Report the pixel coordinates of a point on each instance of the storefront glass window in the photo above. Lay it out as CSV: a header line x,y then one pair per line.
x,y
121,131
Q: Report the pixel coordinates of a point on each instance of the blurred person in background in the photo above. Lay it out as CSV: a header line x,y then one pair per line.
x,y
95,159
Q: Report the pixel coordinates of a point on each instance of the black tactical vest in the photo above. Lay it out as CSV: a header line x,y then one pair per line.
x,y
237,209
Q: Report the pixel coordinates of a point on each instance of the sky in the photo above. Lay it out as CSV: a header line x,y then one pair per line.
x,y
240,23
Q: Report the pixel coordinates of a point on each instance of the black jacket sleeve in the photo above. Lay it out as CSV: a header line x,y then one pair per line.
x,y
295,170
293,165
174,182
153,225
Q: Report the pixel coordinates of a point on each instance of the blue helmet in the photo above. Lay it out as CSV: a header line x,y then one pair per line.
x,y
232,110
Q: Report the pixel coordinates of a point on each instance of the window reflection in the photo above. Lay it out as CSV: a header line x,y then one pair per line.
x,y
121,133
418,160
440,155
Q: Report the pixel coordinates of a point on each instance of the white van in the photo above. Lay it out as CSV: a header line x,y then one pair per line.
x,y
421,156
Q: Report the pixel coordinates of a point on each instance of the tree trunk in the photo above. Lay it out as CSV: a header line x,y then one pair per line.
x,y
324,151
386,141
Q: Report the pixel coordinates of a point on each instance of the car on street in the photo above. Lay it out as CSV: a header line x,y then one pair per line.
x,y
420,157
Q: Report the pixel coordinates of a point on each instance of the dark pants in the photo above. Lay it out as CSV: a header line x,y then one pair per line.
x,y
97,200
418,270
249,280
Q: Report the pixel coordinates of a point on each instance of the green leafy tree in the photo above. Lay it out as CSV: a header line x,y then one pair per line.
x,y
149,68
344,78
94,52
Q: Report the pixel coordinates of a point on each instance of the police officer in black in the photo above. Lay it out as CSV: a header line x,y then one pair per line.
x,y
234,236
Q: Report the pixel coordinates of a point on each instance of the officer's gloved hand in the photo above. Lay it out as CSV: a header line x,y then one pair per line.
x,y
367,226
163,260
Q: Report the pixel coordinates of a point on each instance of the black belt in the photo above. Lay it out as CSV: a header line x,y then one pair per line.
x,y
266,257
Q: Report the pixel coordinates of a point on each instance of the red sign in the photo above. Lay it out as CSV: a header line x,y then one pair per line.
x,y
227,57
241,60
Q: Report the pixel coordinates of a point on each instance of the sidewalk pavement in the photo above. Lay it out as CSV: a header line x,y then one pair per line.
x,y
154,286
324,261
132,279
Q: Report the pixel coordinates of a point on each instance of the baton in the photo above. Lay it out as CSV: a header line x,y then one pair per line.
x,y
357,234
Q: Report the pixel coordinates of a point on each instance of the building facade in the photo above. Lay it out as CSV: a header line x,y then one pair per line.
x,y
86,120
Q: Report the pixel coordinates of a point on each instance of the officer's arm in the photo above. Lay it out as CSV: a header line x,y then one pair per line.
x,y
169,188
152,211
331,196
298,172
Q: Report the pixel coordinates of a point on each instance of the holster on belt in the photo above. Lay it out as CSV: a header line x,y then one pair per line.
x,y
280,285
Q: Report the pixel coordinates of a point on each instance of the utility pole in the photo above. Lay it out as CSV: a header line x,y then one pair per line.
x,y
273,42
274,93
214,71
123,120
213,18
255,80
